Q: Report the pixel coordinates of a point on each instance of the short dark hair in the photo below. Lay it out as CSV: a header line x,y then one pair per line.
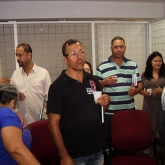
x,y
26,47
69,42
117,38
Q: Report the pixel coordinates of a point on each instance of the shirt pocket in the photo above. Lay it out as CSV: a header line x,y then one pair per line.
x,y
36,87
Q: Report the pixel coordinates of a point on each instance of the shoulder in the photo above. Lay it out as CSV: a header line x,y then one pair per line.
x,y
18,71
58,83
9,118
40,69
104,63
57,88
129,62
105,66
5,111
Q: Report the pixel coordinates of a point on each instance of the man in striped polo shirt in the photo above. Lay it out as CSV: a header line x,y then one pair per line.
x,y
115,76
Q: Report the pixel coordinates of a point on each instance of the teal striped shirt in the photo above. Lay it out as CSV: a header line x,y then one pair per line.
x,y
118,92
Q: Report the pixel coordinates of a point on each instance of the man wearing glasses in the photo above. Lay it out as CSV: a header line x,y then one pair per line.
x,y
74,117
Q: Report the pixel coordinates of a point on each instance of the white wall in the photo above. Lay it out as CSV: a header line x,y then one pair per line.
x,y
82,9
158,36
78,10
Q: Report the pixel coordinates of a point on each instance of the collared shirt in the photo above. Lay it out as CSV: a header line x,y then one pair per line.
x,y
80,121
118,92
36,85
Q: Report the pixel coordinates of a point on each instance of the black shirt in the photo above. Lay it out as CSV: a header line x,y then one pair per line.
x,y
80,122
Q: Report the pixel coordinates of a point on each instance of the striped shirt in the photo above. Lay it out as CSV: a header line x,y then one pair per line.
x,y
118,92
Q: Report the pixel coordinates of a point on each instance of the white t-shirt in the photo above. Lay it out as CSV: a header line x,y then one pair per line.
x,y
36,85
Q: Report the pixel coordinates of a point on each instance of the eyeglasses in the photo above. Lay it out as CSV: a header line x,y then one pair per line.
x,y
74,54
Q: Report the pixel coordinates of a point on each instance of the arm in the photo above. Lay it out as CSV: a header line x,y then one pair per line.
x,y
54,127
47,82
139,88
4,80
155,91
143,92
103,83
12,140
135,90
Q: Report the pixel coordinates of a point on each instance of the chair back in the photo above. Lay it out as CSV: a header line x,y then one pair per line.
x,y
130,130
43,147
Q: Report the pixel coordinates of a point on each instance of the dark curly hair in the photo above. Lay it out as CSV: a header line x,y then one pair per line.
x,y
148,70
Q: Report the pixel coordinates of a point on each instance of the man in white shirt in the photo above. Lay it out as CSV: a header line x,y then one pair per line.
x,y
32,82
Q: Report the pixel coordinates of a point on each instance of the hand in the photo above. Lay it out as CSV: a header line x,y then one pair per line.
x,y
103,100
4,80
145,93
132,90
157,90
110,80
21,96
67,160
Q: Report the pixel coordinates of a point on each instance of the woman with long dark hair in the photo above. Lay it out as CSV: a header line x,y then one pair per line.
x,y
153,80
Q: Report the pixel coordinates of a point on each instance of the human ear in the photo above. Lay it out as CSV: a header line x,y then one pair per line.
x,y
111,48
64,59
12,104
30,55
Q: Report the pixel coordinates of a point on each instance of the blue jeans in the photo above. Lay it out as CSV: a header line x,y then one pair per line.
x,y
93,159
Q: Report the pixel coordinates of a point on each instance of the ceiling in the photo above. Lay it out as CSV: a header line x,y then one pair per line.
x,y
155,1
117,19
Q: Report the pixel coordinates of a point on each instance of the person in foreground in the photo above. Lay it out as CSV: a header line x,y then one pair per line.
x,y
15,138
74,117
32,82
115,76
154,78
